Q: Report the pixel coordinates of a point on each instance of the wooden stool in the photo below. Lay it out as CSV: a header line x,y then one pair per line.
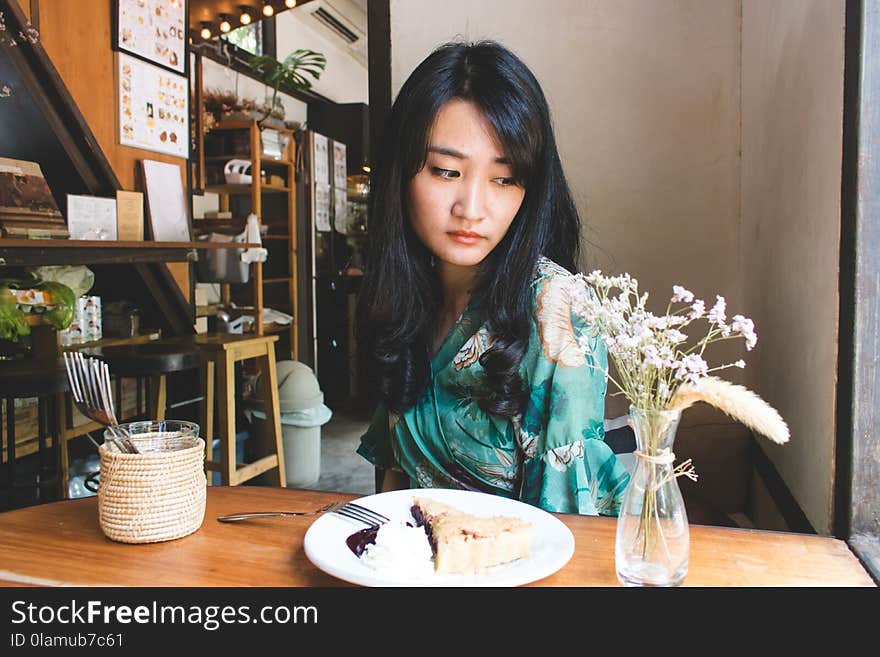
x,y
151,361
220,352
45,379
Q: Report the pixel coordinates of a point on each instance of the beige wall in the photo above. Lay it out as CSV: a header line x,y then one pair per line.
x,y
792,89
652,102
345,78
645,101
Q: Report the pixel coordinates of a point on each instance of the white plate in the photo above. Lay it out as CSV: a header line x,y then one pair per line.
x,y
552,546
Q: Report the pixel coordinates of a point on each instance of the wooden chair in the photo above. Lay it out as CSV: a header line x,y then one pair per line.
x,y
220,352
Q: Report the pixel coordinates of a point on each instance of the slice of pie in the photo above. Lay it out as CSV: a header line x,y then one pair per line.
x,y
465,543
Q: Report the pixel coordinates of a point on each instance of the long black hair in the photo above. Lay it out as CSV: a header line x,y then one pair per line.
x,y
400,299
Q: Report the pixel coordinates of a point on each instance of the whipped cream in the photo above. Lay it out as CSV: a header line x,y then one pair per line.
x,y
400,550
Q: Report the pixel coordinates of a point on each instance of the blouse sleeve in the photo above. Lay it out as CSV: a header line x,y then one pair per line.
x,y
567,466
376,442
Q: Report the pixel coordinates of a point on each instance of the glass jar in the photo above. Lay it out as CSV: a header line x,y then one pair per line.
x,y
652,545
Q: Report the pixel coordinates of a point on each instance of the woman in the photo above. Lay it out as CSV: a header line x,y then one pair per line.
x,y
465,310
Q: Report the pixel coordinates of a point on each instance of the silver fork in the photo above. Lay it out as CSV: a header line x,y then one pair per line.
x,y
333,506
91,391
347,509
361,514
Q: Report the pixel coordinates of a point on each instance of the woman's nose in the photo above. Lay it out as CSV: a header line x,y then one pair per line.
x,y
470,203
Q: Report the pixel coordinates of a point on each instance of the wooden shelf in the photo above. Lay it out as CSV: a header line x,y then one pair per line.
x,y
281,172
87,252
114,342
245,189
272,327
226,245
36,319
245,124
99,252
263,160
230,226
272,160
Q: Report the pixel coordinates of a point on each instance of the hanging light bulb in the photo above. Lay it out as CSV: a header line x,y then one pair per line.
x,y
290,4
206,33
225,25
245,18
268,9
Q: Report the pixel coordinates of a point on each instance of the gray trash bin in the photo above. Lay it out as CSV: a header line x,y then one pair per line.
x,y
303,413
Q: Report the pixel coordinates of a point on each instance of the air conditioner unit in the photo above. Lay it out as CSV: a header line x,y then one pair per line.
x,y
344,21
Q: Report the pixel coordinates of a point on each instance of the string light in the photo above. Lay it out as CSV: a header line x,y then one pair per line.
x,y
290,4
268,9
206,31
225,25
245,18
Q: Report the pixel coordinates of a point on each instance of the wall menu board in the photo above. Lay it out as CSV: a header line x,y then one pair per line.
x,y
154,30
153,107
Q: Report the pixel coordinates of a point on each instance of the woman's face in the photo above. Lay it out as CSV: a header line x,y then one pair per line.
x,y
464,199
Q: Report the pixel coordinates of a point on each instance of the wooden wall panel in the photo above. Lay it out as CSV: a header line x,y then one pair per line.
x,y
77,37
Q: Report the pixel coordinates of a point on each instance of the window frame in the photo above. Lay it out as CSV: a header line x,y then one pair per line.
x,y
267,39
857,469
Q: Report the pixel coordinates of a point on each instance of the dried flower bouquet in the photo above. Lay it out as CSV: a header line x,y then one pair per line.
x,y
662,372
656,367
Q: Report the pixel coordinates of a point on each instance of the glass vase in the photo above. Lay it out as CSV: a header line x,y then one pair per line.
x,y
653,543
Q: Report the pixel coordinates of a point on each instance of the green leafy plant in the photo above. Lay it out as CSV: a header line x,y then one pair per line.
x,y
61,316
12,318
291,72
12,322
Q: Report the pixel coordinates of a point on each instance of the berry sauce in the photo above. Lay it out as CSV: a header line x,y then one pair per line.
x,y
359,541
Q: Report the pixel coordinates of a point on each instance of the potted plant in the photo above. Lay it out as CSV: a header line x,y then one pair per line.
x,y
291,72
218,104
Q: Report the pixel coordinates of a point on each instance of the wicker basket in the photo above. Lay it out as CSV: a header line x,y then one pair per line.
x,y
152,497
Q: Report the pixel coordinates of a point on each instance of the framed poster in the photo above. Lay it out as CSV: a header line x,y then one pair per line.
x,y
166,205
321,163
154,30
153,107
339,173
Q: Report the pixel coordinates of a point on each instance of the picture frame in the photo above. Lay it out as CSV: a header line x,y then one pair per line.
x,y
152,107
91,217
155,31
166,201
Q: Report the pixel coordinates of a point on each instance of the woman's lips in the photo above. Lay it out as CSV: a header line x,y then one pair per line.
x,y
465,237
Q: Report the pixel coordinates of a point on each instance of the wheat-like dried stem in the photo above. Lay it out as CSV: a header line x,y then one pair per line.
x,y
738,402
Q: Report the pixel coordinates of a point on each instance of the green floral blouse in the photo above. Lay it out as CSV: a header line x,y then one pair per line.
x,y
552,456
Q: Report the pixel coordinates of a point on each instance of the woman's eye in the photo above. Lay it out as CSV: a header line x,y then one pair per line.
x,y
444,173
505,182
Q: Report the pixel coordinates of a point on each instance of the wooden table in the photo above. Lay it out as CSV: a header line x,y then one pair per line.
x,y
62,544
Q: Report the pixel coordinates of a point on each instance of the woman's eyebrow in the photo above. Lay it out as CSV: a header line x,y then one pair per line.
x,y
451,152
